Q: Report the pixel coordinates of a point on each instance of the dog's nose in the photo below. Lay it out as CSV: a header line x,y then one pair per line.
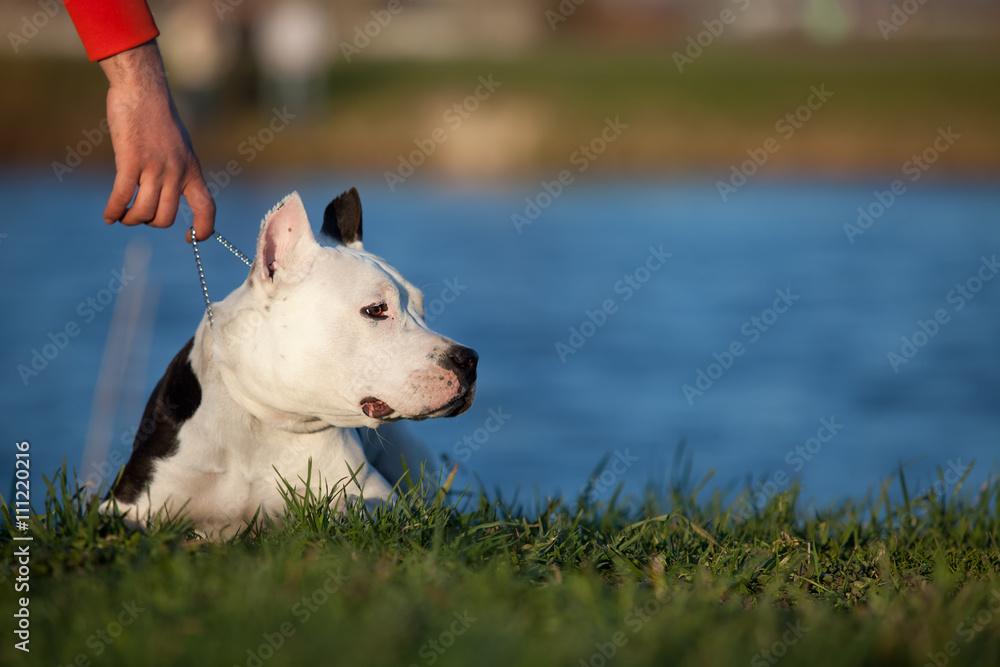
x,y
465,360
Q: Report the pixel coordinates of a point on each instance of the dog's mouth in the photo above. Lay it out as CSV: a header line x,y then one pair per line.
x,y
375,408
378,409
461,403
455,407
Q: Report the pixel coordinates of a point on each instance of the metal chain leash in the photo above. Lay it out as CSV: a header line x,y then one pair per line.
x,y
201,272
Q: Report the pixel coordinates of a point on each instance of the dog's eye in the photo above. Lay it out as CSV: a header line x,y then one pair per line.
x,y
376,312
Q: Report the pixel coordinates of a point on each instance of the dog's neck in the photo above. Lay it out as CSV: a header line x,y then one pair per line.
x,y
217,379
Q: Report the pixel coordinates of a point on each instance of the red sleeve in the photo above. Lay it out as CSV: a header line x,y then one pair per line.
x,y
108,27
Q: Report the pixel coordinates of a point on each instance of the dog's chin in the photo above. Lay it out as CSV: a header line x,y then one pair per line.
x,y
380,412
455,407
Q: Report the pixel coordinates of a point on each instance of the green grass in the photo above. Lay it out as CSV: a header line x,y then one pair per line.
x,y
686,579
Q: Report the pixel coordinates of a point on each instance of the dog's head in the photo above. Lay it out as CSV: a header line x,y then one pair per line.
x,y
334,333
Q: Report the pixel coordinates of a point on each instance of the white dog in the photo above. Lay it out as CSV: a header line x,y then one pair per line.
x,y
319,340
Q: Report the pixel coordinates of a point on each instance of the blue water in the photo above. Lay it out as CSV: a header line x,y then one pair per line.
x,y
621,392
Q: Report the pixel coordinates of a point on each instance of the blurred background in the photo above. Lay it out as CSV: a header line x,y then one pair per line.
x,y
524,162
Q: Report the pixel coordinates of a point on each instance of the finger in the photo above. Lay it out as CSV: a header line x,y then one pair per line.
x,y
126,181
202,206
144,207
166,210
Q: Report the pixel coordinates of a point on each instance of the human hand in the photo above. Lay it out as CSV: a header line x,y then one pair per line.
x,y
152,148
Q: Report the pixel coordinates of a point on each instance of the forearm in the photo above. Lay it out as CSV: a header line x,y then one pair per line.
x,y
154,162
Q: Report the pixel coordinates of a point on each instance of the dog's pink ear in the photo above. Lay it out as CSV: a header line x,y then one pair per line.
x,y
284,241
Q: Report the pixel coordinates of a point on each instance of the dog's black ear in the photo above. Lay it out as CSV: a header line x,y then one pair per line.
x,y
342,219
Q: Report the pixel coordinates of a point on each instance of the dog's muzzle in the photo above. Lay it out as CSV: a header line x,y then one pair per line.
x,y
460,360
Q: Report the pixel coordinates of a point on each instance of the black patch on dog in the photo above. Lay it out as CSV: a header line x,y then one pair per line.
x,y
342,218
176,397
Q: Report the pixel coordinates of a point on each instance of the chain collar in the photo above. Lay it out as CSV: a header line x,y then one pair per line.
x,y
201,272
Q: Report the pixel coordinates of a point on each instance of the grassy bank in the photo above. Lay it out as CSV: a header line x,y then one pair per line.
x,y
887,102
672,582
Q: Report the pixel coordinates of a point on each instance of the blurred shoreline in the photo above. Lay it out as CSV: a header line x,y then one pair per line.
x,y
535,116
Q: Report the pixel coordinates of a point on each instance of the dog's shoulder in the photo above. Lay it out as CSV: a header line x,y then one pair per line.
x,y
174,400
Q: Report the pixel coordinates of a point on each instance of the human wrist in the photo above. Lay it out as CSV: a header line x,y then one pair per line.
x,y
140,66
